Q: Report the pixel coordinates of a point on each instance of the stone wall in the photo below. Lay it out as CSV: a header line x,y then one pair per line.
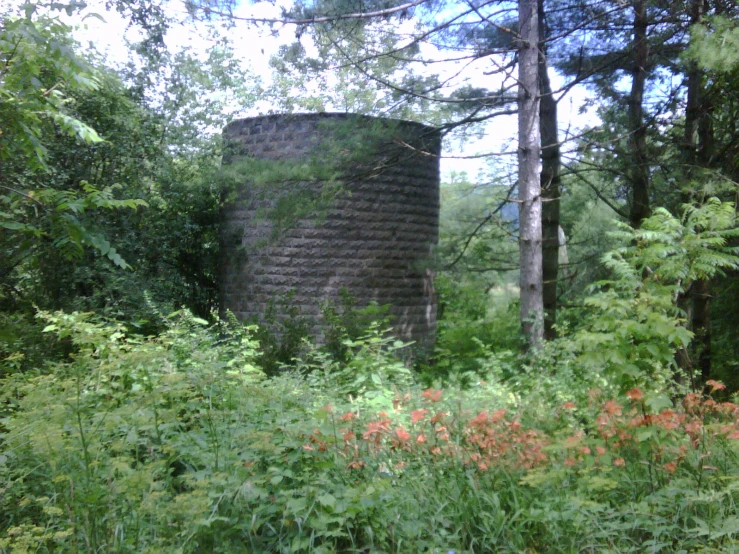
x,y
375,239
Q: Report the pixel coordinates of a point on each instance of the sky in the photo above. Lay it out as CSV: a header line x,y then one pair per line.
x,y
255,45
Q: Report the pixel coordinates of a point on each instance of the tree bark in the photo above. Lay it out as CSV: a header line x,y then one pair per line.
x,y
550,184
697,151
639,173
529,184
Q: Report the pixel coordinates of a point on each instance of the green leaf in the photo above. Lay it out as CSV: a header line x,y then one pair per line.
x,y
327,500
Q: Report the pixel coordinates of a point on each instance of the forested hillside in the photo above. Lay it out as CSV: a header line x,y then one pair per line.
x,y
581,392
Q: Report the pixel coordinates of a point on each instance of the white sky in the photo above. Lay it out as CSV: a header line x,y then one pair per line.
x,y
256,44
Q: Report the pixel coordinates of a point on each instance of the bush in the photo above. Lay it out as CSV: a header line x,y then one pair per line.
x,y
178,444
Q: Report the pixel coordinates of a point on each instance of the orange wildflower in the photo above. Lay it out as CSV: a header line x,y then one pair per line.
x,y
418,415
479,419
433,395
569,406
671,467
438,416
635,394
619,462
715,385
402,435
693,427
376,428
612,407
348,416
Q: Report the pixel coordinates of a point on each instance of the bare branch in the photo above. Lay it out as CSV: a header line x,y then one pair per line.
x,y
311,20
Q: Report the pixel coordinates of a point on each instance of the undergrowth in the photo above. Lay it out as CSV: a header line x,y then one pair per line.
x,y
596,442
179,444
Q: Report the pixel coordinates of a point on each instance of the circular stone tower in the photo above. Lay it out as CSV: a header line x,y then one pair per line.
x,y
325,202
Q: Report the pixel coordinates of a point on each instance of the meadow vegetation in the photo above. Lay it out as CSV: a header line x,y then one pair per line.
x,y
134,419
180,442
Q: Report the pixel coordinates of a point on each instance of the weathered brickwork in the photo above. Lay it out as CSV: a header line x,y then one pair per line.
x,y
375,240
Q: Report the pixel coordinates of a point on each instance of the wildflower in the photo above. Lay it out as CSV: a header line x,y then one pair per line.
x,y
693,427
349,435
612,407
600,450
585,450
671,467
418,415
433,395
619,462
348,416
356,464
438,416
420,439
569,462
479,420
308,447
691,401
376,428
569,406
402,435
715,385
635,394
498,415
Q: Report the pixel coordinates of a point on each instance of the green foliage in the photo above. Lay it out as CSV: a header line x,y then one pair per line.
x,y
281,333
472,324
41,75
32,96
179,444
714,44
638,327
345,320
144,199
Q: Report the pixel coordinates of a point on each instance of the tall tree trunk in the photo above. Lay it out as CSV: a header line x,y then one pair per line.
x,y
639,174
697,150
529,185
702,293
550,183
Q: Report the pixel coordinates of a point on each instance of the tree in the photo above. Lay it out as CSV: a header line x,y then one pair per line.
x,y
529,183
550,183
109,198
